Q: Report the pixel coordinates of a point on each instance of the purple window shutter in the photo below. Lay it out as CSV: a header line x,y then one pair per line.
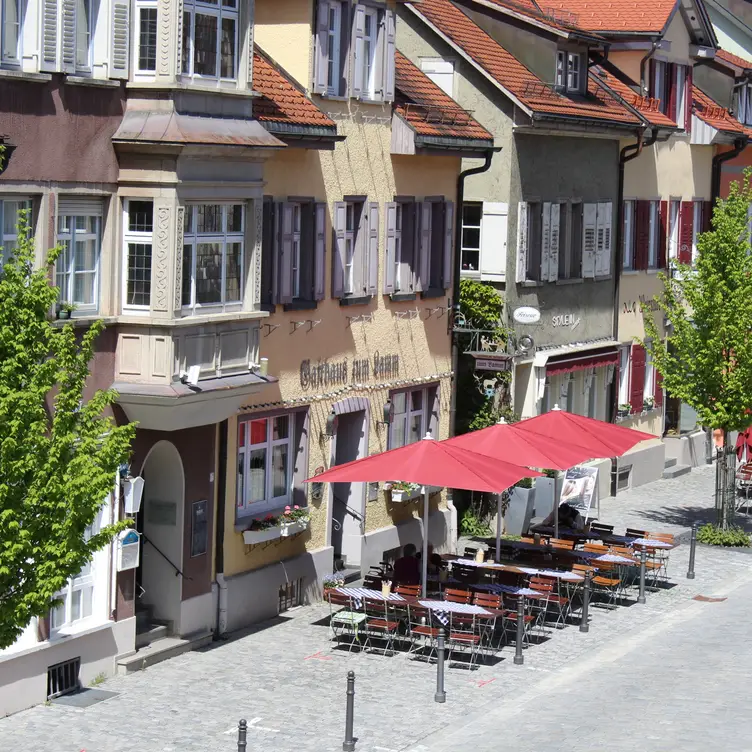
x,y
338,250
446,277
390,36
320,60
424,245
391,247
358,34
373,249
285,256
319,252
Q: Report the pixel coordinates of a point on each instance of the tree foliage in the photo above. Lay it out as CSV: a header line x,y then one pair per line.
x,y
59,455
706,359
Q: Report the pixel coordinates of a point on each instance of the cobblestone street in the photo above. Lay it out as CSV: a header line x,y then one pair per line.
x,y
664,676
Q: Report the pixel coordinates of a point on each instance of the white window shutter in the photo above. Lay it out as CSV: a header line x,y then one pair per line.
x,y
338,252
553,256
372,262
390,47
545,241
320,52
589,221
605,266
319,252
600,239
285,256
424,251
68,33
493,241
358,33
391,248
446,275
48,56
119,39
522,241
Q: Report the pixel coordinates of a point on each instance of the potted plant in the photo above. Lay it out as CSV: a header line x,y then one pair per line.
x,y
403,491
262,530
65,311
624,410
294,520
648,403
333,581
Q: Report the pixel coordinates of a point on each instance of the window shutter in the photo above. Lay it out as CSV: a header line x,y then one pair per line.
x,y
607,231
119,39
319,252
686,226
69,36
285,255
603,240
446,275
642,234
319,53
424,259
521,275
79,206
553,257
338,252
268,247
390,37
637,382
662,234
372,263
688,102
358,32
545,241
589,227
48,60
391,247
671,89
493,241
658,389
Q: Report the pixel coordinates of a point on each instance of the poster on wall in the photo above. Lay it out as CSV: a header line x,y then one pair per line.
x,y
580,489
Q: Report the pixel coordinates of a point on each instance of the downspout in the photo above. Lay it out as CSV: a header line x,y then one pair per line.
x,y
643,63
718,160
220,626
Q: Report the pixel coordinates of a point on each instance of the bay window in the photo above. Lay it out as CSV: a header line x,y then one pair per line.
x,y
213,254
415,412
210,38
146,30
10,31
139,226
9,209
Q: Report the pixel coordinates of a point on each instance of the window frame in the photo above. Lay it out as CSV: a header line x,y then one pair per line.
x,y
70,274
140,238
13,236
86,67
654,243
141,6
625,368
648,388
673,229
568,76
193,239
534,240
428,394
370,63
220,11
479,227
629,213
14,62
334,50
697,211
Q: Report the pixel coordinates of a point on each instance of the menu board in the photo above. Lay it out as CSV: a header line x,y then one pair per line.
x,y
580,489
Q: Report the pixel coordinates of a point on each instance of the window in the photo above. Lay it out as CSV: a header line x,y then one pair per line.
x,y
534,239
210,38
10,31
213,254
139,225
671,85
356,240
567,392
415,413
9,210
147,39
472,213
77,266
441,72
353,238
624,363
649,387
266,456
654,236
570,251
368,60
628,246
400,274
743,104
569,71
333,54
84,29
673,229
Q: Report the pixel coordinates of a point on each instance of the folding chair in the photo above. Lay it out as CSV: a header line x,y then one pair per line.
x,y
408,591
661,554
599,527
487,624
608,582
550,585
346,621
463,635
510,618
561,543
423,633
457,596
381,623
597,548
632,532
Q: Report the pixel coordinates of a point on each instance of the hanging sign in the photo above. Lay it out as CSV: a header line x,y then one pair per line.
x,y
128,549
485,361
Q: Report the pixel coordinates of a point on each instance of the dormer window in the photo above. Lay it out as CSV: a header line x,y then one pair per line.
x,y
743,104
569,66
671,85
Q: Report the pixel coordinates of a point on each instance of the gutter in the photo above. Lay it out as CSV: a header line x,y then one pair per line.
x,y
220,626
718,160
643,63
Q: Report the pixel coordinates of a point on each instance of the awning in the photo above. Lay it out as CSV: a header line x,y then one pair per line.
x,y
589,359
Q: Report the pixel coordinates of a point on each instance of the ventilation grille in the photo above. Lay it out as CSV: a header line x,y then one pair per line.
x,y
62,678
290,595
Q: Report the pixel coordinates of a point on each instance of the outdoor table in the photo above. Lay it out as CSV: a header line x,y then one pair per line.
x,y
616,559
442,609
358,594
515,569
650,543
509,589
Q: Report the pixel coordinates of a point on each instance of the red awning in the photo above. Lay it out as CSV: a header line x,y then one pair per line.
x,y
581,361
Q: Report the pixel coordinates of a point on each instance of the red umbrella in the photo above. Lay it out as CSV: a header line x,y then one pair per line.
x,y
429,463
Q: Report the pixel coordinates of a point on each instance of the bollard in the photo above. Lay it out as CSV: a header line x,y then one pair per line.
x,y
242,731
349,744
584,626
518,657
440,695
643,558
692,545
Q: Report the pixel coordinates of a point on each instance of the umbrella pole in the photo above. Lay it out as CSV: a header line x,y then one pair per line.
x,y
556,513
424,578
498,527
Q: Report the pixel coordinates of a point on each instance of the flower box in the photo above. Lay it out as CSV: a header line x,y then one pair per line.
x,y
293,528
252,537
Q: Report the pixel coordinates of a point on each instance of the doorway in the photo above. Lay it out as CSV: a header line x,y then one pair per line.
x,y
348,499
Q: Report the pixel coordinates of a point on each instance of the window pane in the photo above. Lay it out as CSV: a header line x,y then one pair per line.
x,y
139,274
257,475
279,470
232,283
258,431
87,597
241,434
208,273
140,216
187,274
398,400
235,218
86,254
83,26
415,427
205,45
209,218
241,476
470,237
280,427
62,268
470,260
83,288
398,432
471,214
147,39
57,616
186,54
227,49
416,400
10,29
76,605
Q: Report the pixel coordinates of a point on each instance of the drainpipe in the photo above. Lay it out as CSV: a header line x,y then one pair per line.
x,y
718,160
643,63
220,626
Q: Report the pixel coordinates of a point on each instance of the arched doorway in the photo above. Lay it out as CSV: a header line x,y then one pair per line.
x,y
160,522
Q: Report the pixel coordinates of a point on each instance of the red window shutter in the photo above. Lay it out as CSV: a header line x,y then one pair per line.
x,y
663,234
658,389
637,382
707,215
688,101
686,224
642,234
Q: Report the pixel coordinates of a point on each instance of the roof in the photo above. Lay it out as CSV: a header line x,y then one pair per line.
x,y
282,99
522,84
733,60
427,109
715,115
638,16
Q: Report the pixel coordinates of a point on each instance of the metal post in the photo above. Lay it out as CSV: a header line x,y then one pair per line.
x,y
498,526
692,545
440,695
518,657
242,731
643,559
584,626
349,744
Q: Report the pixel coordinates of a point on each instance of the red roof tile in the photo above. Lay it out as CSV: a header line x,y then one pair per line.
x,y
561,19
734,60
716,116
427,109
617,15
282,100
512,75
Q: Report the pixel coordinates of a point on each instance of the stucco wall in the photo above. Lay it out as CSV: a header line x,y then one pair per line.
x,y
733,170
283,30
636,288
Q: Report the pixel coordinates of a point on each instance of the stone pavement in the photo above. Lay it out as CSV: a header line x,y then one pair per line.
x,y
666,675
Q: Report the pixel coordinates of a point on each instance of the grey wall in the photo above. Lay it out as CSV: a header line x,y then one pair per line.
x,y
718,86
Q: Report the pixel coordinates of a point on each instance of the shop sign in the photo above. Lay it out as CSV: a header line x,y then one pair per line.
x,y
325,374
493,362
565,319
526,315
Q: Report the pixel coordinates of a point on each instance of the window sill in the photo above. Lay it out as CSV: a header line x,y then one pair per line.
x,y
433,293
577,281
402,297
149,320
334,97
192,88
301,305
362,300
470,273
530,283
630,272
603,278
102,83
654,271
25,76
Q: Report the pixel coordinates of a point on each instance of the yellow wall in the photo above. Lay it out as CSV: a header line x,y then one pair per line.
x,y
282,28
634,288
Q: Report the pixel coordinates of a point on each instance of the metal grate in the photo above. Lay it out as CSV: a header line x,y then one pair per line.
x,y
290,595
62,678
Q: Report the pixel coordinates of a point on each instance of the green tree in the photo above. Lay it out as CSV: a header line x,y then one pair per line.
x,y
59,454
706,359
